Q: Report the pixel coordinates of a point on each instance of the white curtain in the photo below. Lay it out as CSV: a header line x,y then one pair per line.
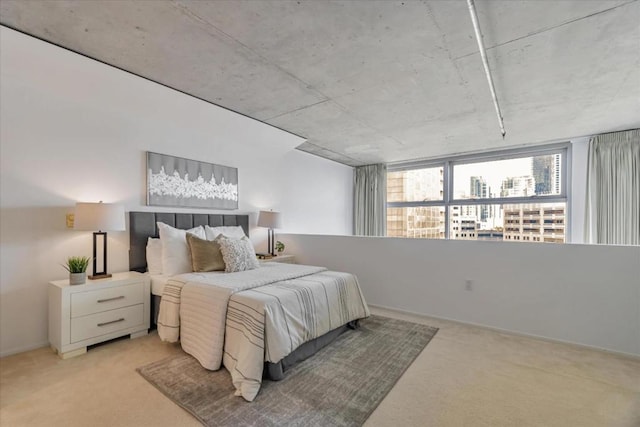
x,y
613,189
370,194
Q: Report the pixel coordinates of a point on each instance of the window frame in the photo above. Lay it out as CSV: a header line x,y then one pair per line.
x,y
448,164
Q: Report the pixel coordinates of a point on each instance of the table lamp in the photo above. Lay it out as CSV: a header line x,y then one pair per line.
x,y
102,217
270,220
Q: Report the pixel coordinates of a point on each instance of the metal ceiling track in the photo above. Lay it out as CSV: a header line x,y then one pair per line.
x,y
485,63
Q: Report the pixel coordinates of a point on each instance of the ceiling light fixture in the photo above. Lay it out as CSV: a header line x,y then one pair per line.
x,y
485,63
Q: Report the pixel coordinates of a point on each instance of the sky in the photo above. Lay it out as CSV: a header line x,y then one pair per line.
x,y
493,172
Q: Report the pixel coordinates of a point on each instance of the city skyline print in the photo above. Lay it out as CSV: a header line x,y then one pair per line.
x,y
178,182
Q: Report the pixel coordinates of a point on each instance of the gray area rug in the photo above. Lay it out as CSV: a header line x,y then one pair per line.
x,y
340,385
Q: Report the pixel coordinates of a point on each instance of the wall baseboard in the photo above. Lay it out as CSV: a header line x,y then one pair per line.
x,y
506,331
421,315
30,347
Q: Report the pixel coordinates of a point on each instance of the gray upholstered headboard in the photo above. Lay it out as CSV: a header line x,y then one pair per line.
x,y
142,225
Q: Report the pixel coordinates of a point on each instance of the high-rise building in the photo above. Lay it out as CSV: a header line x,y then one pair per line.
x,y
546,173
463,227
479,189
518,186
419,221
535,222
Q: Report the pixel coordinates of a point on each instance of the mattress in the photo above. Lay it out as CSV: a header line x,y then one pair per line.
x,y
157,283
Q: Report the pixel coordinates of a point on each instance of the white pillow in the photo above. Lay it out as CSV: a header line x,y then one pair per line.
x,y
238,254
229,231
176,258
154,256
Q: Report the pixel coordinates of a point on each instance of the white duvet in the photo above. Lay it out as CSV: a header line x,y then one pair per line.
x,y
265,313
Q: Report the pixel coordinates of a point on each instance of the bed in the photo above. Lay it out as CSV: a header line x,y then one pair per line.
x,y
257,322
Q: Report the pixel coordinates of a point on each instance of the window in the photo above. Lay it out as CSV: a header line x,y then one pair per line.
x,y
517,195
415,185
416,222
410,197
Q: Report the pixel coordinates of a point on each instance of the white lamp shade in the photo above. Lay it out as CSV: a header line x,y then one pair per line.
x,y
99,217
270,219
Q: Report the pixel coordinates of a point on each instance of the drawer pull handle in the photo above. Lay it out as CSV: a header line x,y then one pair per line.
x,y
113,321
111,299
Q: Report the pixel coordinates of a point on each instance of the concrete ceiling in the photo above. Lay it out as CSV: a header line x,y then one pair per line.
x,y
373,81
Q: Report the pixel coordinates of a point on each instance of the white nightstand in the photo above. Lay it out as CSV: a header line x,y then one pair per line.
x,y
286,259
97,311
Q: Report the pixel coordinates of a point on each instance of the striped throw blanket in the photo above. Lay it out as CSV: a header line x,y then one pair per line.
x,y
265,313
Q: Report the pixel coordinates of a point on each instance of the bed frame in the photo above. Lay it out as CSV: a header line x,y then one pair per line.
x,y
142,225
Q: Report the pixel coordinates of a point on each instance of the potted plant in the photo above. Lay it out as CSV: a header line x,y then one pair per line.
x,y
77,268
279,247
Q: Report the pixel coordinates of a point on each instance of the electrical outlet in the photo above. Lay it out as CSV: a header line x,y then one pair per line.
x,y
468,285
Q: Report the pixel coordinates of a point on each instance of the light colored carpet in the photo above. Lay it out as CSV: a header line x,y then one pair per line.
x,y
467,376
340,385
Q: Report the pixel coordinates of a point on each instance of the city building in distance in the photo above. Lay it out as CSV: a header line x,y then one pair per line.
x,y
523,222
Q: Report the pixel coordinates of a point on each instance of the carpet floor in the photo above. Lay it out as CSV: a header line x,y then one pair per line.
x,y
340,385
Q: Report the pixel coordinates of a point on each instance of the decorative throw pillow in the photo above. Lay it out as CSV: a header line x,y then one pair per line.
x,y
227,231
154,256
205,254
238,254
176,258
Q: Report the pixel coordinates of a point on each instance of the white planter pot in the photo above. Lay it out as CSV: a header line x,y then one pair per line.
x,y
77,278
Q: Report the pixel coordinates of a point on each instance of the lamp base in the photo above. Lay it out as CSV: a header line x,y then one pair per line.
x,y
270,242
99,276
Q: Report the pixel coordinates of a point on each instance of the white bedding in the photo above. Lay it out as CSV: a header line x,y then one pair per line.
x,y
298,305
269,322
159,280
157,283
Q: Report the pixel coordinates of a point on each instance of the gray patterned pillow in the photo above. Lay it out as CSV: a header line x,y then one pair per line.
x,y
238,254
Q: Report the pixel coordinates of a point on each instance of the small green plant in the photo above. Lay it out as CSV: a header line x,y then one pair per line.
x,y
279,246
77,264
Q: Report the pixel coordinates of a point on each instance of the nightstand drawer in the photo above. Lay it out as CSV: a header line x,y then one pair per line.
x,y
96,301
95,325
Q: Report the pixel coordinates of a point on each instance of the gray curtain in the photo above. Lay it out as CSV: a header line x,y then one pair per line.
x,y
370,194
613,189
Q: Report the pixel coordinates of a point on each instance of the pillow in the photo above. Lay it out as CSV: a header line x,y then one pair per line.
x,y
176,258
154,256
213,232
205,254
238,254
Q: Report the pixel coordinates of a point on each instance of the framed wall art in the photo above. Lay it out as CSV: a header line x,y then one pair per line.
x,y
177,182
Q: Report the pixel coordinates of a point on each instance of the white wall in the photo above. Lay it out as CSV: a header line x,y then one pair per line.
x,y
585,294
72,129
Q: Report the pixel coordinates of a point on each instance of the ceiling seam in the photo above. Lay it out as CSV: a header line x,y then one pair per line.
x,y
363,123
544,30
304,107
624,82
443,38
191,14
